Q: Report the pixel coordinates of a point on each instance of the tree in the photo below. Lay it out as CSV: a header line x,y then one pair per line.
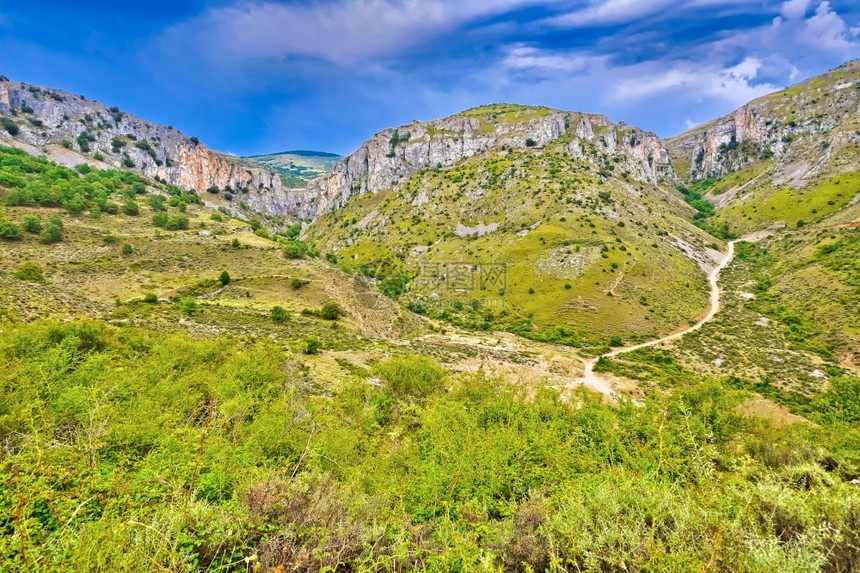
x,y
224,279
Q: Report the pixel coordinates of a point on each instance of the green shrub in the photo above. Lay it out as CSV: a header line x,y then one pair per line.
x,y
216,217
294,250
311,345
150,298
52,233
279,314
9,231
330,311
33,224
177,223
262,233
213,189
160,219
415,377
127,249
10,126
297,283
130,207
224,278
30,272
188,306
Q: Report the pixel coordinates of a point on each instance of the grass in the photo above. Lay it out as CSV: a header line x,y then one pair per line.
x,y
133,448
808,205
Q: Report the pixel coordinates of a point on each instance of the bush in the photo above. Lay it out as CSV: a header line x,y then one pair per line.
x,y
130,207
33,224
279,315
224,279
416,377
160,219
150,298
214,190
10,126
216,217
297,283
234,243
177,223
128,162
9,232
311,345
616,341
262,233
331,311
294,250
30,272
52,233
188,306
530,142
127,249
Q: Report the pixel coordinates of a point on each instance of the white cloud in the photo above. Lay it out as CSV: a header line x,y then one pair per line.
x,y
690,123
794,9
524,57
696,80
827,29
623,11
345,32
611,11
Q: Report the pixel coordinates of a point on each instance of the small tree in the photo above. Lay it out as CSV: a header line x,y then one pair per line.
x,y
224,279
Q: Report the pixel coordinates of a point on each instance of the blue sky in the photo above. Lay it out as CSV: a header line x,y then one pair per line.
x,y
327,74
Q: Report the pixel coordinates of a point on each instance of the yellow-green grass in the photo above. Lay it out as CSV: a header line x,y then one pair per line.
x,y
766,205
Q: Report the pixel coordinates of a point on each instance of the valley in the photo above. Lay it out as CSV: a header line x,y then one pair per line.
x,y
513,339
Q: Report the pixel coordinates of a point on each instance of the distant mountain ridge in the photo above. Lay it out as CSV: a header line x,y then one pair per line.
x,y
297,167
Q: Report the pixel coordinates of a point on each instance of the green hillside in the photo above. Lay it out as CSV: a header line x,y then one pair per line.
x,y
587,252
298,166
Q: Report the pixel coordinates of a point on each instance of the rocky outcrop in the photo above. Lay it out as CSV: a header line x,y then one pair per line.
x,y
94,133
392,156
802,126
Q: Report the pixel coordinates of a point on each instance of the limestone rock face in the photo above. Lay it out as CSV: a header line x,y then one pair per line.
x,y
78,129
799,128
392,156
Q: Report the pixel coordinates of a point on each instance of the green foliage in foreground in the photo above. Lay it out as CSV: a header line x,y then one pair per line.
x,y
129,450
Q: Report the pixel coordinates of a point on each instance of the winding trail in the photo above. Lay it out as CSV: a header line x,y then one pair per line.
x,y
594,381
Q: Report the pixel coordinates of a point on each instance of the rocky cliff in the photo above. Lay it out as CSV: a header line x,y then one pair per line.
x,y
72,129
801,128
392,156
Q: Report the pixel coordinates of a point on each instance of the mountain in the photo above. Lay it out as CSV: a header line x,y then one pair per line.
x,y
581,214
421,378
787,157
298,166
72,129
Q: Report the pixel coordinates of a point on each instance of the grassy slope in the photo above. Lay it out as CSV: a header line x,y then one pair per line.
x,y
559,223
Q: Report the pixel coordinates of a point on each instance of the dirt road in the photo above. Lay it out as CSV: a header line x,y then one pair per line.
x,y
594,381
